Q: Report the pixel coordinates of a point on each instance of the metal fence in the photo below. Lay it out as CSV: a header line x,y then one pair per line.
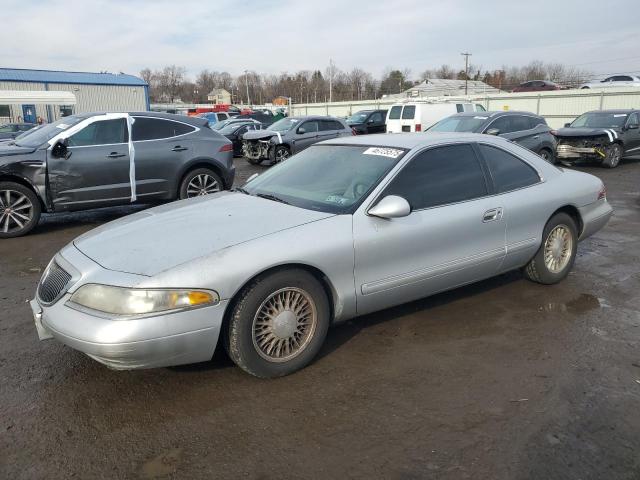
x,y
558,107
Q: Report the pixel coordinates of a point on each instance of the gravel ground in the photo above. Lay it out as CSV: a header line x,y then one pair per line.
x,y
504,379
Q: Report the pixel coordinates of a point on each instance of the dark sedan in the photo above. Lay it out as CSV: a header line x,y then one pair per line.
x,y
529,130
102,159
235,130
12,130
537,86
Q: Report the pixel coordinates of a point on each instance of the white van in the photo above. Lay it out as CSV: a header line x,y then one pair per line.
x,y
418,116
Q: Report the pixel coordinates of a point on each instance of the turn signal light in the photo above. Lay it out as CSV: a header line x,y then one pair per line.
x,y
227,147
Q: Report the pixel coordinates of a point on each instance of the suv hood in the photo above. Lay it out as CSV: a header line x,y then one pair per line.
x,y
612,133
260,135
158,239
8,148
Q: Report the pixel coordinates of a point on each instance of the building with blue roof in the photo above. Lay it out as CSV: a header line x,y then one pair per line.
x,y
94,92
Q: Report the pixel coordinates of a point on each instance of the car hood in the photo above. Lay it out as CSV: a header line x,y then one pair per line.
x,y
260,134
587,132
7,149
158,239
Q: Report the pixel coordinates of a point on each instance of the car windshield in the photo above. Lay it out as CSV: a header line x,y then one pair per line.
x,y
358,117
326,178
466,123
230,128
222,124
284,125
600,120
38,136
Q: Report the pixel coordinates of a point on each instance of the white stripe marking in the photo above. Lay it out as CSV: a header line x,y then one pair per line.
x,y
610,136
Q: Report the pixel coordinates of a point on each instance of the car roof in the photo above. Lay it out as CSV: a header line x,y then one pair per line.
x,y
314,117
494,113
615,110
195,121
412,141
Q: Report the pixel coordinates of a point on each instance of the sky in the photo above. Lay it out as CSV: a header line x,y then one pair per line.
x,y
274,36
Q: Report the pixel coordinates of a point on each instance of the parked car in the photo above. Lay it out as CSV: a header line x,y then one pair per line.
x,y
266,117
602,135
235,130
418,116
368,121
289,136
614,81
345,228
83,161
537,86
220,125
12,130
529,130
214,117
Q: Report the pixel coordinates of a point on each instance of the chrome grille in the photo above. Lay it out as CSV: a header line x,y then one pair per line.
x,y
53,283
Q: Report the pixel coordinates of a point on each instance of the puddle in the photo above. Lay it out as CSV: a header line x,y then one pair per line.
x,y
583,303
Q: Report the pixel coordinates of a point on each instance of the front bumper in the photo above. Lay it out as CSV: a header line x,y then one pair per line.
x,y
161,340
569,151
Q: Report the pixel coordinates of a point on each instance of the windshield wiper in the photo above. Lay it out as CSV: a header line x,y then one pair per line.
x,y
241,190
269,196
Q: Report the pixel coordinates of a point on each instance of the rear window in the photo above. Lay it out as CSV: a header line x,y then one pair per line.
x,y
409,112
394,114
508,172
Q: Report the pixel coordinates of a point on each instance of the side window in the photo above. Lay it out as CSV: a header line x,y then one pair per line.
x,y
633,119
408,112
310,127
147,128
623,78
480,108
610,79
535,121
502,123
394,113
520,123
440,176
508,172
102,132
459,108
326,125
337,125
376,118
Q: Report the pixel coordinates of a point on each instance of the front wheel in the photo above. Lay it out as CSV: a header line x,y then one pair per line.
x,y
553,262
19,210
279,324
200,181
613,155
281,153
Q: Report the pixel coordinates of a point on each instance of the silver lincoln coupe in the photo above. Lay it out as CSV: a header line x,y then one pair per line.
x,y
347,227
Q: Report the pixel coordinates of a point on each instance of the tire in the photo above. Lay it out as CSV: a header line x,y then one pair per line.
x,y
19,210
614,154
547,155
254,161
541,271
253,341
281,153
198,182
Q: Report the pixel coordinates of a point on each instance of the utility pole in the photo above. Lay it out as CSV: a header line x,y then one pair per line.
x,y
466,70
246,79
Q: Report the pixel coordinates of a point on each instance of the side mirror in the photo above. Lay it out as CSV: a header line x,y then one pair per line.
x,y
60,149
301,130
493,131
391,206
567,125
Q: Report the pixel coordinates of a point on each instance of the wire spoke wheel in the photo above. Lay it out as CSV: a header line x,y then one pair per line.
x,y
558,249
284,324
16,211
202,184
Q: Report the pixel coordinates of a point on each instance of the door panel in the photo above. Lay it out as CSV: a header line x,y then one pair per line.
x,y
303,140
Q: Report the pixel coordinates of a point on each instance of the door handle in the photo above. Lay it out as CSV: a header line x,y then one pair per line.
x,y
179,148
492,215
115,155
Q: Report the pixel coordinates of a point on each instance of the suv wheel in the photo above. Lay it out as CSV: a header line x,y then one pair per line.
x,y
613,155
198,182
281,154
19,210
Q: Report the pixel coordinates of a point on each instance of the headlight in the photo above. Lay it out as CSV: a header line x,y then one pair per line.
x,y
133,301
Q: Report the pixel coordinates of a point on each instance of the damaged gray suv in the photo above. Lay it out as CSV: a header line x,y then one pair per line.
x,y
291,135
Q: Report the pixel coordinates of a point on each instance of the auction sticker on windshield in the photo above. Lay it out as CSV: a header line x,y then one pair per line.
x,y
383,152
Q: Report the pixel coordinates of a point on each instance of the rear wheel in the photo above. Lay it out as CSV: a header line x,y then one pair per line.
x,y
547,155
613,156
19,210
554,260
198,182
279,324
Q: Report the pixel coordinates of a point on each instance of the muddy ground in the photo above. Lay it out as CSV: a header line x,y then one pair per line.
x,y
504,379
